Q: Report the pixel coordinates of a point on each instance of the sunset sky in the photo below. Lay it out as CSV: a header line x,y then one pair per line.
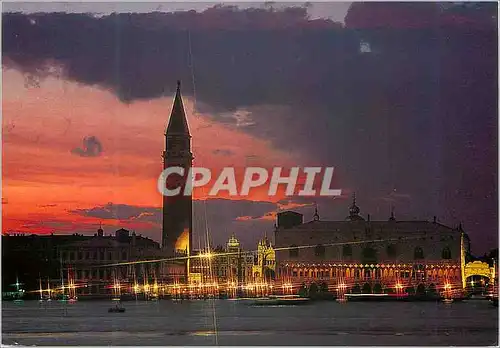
x,y
411,121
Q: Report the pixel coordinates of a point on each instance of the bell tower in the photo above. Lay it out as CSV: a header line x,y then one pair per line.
x,y
178,209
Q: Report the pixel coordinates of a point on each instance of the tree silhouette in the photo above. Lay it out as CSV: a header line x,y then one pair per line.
x,y
313,290
356,289
323,287
367,289
303,290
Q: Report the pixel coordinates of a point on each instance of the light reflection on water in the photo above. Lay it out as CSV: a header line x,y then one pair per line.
x,y
191,323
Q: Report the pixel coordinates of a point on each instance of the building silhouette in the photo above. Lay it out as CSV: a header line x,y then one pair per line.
x,y
81,259
178,209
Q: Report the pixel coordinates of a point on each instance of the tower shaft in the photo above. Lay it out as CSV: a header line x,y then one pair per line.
x,y
178,209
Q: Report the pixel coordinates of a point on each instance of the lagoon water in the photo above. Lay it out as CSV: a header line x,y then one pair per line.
x,y
235,323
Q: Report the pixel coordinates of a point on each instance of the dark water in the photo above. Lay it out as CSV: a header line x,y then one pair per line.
x,y
236,323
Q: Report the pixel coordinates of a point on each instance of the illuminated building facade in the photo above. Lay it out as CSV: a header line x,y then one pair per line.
x,y
358,255
264,267
82,261
231,265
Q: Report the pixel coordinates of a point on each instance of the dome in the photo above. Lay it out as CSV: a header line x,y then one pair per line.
x,y
354,211
233,242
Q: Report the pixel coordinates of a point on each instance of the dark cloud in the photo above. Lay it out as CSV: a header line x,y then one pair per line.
x,y
220,215
417,113
119,212
421,15
92,147
52,225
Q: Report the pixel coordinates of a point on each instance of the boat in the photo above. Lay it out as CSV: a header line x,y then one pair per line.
x,y
68,298
448,300
16,296
279,301
376,297
116,310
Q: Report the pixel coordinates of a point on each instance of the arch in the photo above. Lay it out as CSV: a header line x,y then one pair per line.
x,y
418,253
477,283
479,268
446,253
377,288
319,251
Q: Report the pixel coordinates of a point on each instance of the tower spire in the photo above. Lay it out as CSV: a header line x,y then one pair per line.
x,y
354,210
177,123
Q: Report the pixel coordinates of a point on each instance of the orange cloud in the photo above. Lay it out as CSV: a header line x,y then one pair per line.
x,y
43,125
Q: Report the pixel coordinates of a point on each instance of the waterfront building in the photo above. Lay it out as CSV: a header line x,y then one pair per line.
x,y
93,264
29,256
230,265
362,255
264,267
